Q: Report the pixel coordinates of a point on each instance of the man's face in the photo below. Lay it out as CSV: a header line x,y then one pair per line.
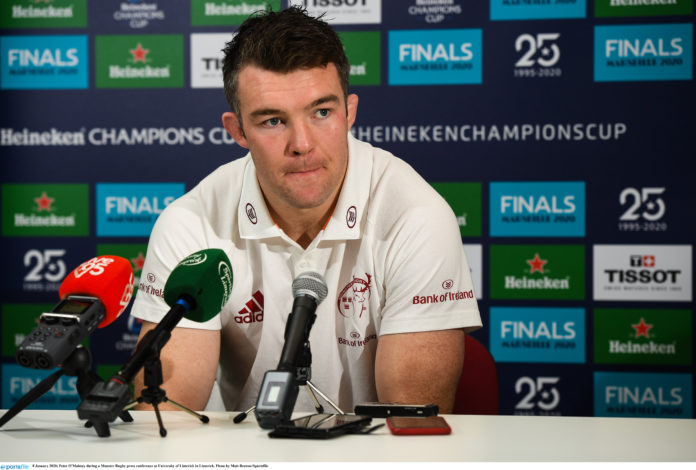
x,y
296,127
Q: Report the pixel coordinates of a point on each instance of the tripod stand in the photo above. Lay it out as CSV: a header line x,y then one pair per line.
x,y
302,376
154,394
77,364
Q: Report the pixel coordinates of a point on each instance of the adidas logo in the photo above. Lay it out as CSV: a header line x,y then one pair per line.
x,y
252,311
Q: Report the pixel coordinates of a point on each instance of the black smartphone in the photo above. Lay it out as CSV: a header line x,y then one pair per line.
x,y
320,426
384,410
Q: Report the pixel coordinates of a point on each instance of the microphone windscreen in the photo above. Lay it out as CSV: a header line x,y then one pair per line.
x,y
108,278
204,277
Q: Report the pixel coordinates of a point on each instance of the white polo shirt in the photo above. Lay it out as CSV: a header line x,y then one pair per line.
x,y
391,255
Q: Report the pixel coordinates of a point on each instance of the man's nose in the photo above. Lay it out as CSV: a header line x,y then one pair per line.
x,y
301,141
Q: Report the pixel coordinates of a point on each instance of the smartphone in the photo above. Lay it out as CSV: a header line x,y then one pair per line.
x,y
320,426
409,425
384,410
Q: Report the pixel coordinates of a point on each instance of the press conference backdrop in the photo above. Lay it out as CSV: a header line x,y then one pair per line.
x,y
560,131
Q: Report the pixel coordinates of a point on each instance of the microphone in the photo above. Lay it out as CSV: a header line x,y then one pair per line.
x,y
280,387
92,296
197,289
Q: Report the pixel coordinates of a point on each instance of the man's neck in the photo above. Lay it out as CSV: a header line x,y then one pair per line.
x,y
303,225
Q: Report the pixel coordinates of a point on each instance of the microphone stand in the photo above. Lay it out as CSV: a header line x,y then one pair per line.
x,y
303,374
153,394
77,364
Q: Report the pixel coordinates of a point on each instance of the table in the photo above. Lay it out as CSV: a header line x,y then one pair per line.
x,y
59,436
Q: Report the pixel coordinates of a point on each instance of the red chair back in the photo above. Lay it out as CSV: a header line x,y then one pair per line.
x,y
477,393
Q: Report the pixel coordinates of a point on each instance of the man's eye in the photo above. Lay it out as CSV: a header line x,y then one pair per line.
x,y
322,113
273,122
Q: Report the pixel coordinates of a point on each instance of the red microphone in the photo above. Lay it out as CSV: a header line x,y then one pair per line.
x,y
108,278
92,296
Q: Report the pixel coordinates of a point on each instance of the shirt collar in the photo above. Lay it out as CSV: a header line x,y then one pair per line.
x,y
345,223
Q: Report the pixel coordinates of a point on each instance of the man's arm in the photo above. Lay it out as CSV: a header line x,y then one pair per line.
x,y
189,364
421,367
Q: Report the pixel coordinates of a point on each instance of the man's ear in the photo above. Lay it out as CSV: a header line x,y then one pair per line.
x,y
234,128
352,108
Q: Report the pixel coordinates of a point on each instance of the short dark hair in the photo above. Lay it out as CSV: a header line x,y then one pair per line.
x,y
283,42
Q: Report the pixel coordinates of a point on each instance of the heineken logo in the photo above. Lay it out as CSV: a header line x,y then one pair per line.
x,y
537,272
643,336
140,61
45,210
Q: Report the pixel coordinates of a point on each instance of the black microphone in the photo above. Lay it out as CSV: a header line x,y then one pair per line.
x,y
197,289
279,389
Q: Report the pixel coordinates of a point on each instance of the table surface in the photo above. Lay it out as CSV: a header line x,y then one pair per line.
x,y
56,436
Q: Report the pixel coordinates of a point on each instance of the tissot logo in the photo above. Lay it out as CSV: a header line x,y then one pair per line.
x,y
445,56
142,61
649,395
538,209
642,272
206,59
643,52
344,11
537,272
45,210
131,209
49,62
540,9
537,334
643,336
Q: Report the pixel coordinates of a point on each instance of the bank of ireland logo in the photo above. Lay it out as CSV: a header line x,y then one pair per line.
x,y
643,52
354,299
539,55
432,57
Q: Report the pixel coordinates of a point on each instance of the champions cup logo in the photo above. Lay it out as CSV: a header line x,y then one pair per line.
x,y
95,266
353,299
194,259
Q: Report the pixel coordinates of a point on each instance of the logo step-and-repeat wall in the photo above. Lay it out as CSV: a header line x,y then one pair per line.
x,y
560,131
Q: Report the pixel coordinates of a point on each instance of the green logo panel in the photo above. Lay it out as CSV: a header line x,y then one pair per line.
x,y
543,272
618,8
140,61
465,200
37,14
227,12
363,51
45,210
18,320
642,336
133,252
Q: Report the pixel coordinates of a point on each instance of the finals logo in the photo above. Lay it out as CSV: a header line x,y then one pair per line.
x,y
537,272
45,210
140,61
643,52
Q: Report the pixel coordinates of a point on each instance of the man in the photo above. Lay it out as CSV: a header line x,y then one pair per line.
x,y
309,197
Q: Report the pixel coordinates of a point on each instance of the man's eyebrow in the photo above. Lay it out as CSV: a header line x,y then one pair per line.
x,y
272,111
322,100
